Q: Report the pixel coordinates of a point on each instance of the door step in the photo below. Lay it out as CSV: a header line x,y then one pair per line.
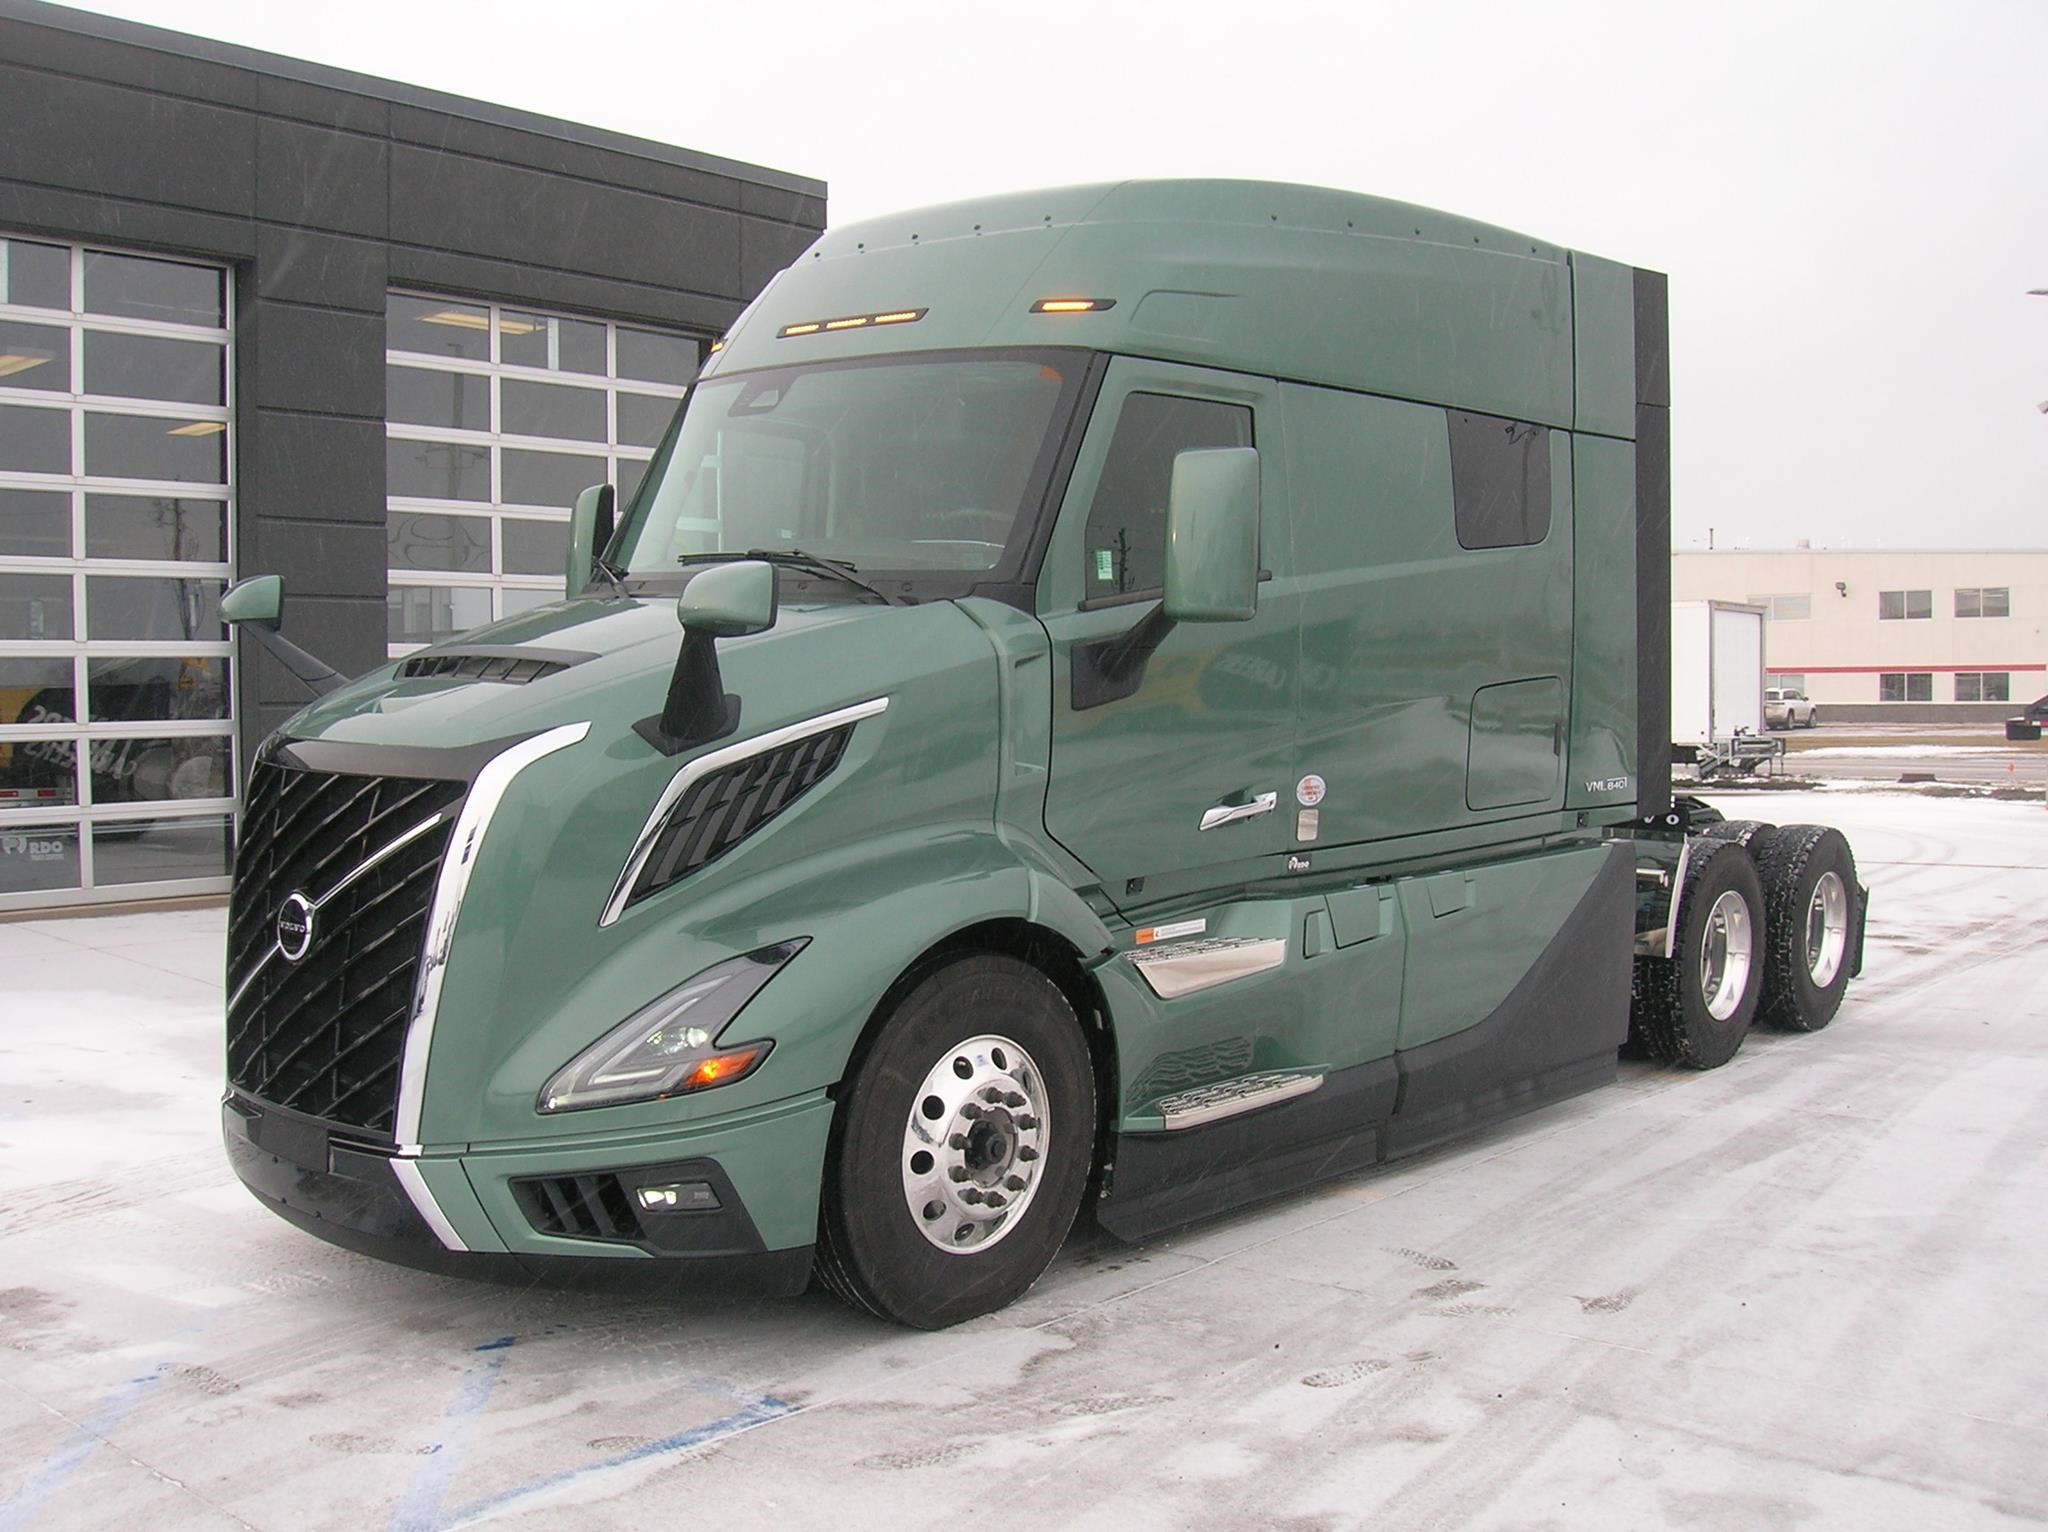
x,y
1185,967
1229,1098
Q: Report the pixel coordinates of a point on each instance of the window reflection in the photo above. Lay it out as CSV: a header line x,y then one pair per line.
x,y
423,614
38,859
535,547
156,527
459,401
139,689
137,607
139,287
35,524
34,441
159,850
437,327
424,541
158,770
151,447
35,606
34,356
559,345
552,479
154,367
34,275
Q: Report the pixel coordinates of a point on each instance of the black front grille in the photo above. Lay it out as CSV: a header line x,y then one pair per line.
x,y
579,1207
515,670
724,808
325,1035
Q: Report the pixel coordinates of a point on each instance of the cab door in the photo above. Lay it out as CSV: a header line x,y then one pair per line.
x,y
1204,733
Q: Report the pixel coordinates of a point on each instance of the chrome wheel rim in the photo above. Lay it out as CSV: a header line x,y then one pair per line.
x,y
1827,929
1725,956
974,1145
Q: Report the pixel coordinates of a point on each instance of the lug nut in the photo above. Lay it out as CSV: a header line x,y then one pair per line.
x,y
1027,1123
970,1111
957,1141
1027,1153
1014,1183
1015,1098
992,1095
958,1172
973,1194
997,1199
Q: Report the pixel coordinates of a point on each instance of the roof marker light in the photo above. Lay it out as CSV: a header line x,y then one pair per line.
x,y
852,322
1072,305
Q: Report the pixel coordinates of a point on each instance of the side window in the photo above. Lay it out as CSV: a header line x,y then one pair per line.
x,y
1126,544
1500,480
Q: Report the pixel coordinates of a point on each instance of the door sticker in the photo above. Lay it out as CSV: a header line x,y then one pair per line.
x,y
1151,934
1310,791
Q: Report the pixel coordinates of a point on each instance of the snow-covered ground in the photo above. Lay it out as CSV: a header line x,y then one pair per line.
x,y
1807,1289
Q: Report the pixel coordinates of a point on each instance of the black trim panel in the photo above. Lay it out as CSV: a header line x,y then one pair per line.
x,y
351,1198
344,758
1554,1036
1653,544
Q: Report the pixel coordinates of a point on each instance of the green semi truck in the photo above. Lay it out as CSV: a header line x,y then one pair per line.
x,y
1136,697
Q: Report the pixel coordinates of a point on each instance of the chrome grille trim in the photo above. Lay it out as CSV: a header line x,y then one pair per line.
x,y
449,888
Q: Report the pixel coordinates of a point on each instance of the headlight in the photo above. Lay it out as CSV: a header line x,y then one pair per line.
x,y
672,1047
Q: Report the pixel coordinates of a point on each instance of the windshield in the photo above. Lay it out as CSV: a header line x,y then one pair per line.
x,y
929,463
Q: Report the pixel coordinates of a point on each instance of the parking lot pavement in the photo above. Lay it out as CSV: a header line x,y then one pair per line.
x,y
1805,1289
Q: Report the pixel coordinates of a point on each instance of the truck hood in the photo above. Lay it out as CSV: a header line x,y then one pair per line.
x,y
607,660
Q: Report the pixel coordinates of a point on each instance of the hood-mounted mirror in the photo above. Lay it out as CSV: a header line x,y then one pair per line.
x,y
722,601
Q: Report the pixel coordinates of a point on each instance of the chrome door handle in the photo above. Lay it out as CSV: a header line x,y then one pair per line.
x,y
1230,813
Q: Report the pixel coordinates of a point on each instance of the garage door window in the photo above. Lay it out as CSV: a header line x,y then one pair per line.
x,y
497,417
117,768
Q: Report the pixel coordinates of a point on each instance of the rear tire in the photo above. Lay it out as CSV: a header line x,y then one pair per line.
x,y
963,1142
1809,883
1744,832
1694,1008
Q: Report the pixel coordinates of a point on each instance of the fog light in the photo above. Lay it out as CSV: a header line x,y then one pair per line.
x,y
678,1197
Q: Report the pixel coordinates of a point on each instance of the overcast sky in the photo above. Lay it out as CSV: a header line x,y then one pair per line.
x,y
1851,199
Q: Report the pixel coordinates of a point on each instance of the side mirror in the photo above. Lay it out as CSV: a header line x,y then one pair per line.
x,y
1212,536
590,529
729,600
724,601
258,604
258,600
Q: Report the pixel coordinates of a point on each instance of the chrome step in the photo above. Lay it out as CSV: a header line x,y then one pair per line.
x,y
1185,967
1227,1098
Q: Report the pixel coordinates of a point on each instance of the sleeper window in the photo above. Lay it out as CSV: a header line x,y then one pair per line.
x,y
1500,479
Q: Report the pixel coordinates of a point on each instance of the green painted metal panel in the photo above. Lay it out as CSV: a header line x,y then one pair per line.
x,y
1517,754
1471,940
1601,770
1402,627
1283,281
1604,331
1212,720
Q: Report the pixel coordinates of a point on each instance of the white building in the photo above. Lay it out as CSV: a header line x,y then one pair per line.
x,y
1908,635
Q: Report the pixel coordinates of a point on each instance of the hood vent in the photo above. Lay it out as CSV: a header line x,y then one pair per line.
x,y
513,664
724,807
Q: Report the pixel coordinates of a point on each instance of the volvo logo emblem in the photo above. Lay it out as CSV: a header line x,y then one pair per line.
x,y
294,926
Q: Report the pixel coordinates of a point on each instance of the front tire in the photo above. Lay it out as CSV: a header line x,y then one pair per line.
x,y
963,1143
1694,1008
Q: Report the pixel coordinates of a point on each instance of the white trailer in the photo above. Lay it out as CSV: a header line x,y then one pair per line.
x,y
1717,686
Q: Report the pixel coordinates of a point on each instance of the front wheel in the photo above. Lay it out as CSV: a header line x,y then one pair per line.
x,y
965,1135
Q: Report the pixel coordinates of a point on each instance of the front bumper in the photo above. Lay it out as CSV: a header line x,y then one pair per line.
x,y
568,1216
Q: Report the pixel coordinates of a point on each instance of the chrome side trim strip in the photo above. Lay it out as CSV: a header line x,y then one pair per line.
x,y
1232,813
415,1185
457,864
1677,894
703,766
1187,967
346,879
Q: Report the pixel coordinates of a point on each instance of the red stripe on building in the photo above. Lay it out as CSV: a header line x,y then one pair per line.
x,y
1885,670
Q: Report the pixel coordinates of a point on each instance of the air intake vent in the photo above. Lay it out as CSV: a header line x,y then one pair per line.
x,y
513,669
324,1033
580,1207
724,808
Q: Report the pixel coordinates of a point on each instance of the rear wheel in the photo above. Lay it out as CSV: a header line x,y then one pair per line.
x,y
963,1143
1695,1007
1809,884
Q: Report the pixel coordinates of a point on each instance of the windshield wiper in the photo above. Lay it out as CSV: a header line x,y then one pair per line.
x,y
809,563
615,578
